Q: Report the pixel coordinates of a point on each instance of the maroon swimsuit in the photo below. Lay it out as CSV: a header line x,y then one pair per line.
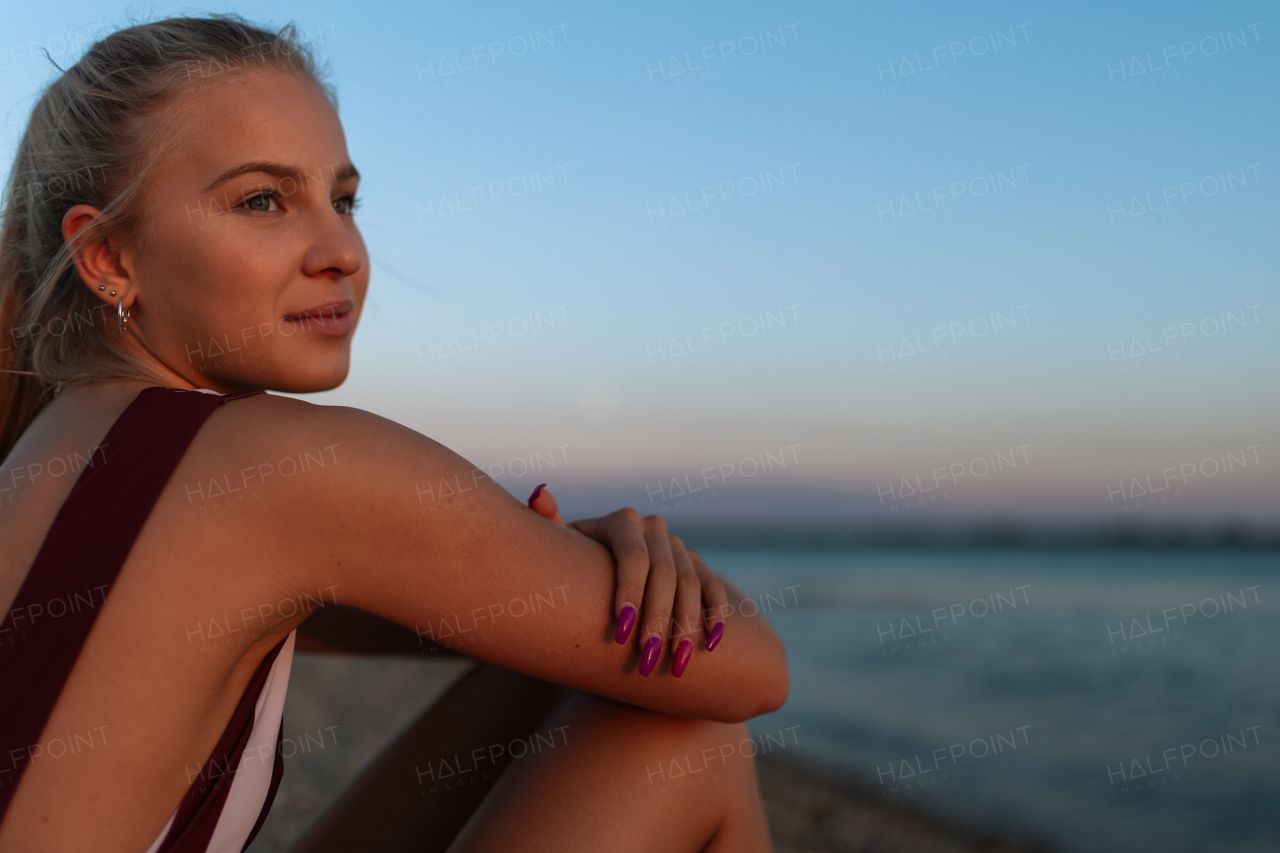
x,y
79,561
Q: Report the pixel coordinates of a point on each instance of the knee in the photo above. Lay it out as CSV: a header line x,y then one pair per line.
x,y
735,749
652,726
661,738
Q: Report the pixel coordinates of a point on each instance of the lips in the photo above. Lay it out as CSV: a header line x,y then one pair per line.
x,y
331,318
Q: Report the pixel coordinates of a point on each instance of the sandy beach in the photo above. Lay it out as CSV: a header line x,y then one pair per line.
x,y
812,808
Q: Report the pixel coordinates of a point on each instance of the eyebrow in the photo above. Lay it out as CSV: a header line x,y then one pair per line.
x,y
278,170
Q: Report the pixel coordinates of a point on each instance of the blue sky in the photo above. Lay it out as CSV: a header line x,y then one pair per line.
x,y
654,179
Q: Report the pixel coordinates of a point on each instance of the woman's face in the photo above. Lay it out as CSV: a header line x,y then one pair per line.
x,y
251,272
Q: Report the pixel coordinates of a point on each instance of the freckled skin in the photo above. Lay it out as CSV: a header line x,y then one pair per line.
x,y
243,269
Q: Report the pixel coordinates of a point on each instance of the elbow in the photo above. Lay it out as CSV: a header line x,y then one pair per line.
x,y
777,688
769,692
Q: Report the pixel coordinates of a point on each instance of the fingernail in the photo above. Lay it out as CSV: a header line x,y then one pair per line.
x,y
683,651
716,633
533,496
652,648
625,623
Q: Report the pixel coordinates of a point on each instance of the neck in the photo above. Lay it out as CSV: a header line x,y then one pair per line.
x,y
136,348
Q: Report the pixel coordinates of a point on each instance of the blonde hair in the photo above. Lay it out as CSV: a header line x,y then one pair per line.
x,y
91,140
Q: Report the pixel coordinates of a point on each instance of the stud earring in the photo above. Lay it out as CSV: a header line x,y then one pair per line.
x,y
113,293
102,287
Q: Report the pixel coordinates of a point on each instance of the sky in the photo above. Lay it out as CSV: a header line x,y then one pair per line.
x,y
814,261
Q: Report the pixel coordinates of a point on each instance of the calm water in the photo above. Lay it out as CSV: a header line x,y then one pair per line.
x,y
1105,666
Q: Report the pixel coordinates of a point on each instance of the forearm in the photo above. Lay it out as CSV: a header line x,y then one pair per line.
x,y
404,529
744,676
548,613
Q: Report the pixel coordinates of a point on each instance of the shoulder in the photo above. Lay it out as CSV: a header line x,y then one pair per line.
x,y
265,418
267,425
281,454
309,496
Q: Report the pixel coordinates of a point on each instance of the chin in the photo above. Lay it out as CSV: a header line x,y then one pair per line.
x,y
314,381
295,379
310,386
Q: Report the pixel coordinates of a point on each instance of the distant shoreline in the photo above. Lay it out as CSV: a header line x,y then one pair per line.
x,y
979,536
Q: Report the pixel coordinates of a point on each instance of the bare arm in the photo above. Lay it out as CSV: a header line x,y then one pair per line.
x,y
403,528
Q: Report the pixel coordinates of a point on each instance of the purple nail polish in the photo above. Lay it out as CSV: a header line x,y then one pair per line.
x,y
625,622
683,652
716,633
652,648
534,495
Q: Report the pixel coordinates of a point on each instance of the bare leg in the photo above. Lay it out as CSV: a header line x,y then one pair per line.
x,y
624,779
389,807
591,780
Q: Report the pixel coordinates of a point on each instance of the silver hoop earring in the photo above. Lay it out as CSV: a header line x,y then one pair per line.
x,y
122,316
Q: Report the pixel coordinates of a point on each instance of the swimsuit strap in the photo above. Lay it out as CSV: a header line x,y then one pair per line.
x,y
82,555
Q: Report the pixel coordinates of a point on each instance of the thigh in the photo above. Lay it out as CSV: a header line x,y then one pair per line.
x,y
620,778
417,793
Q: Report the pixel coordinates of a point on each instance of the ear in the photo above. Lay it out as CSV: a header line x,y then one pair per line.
x,y
97,261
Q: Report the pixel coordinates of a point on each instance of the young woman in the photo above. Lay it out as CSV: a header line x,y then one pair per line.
x,y
177,237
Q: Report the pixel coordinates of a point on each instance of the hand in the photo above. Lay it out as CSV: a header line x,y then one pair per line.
x,y
659,580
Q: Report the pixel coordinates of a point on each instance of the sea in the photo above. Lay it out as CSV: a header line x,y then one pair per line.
x,y
1096,700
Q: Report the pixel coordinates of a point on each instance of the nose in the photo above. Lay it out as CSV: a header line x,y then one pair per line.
x,y
334,250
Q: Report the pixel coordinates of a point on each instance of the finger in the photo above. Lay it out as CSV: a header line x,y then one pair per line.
x,y
544,504
659,593
715,600
622,532
688,606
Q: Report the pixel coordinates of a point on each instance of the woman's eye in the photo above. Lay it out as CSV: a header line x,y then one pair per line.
x,y
262,203
345,206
